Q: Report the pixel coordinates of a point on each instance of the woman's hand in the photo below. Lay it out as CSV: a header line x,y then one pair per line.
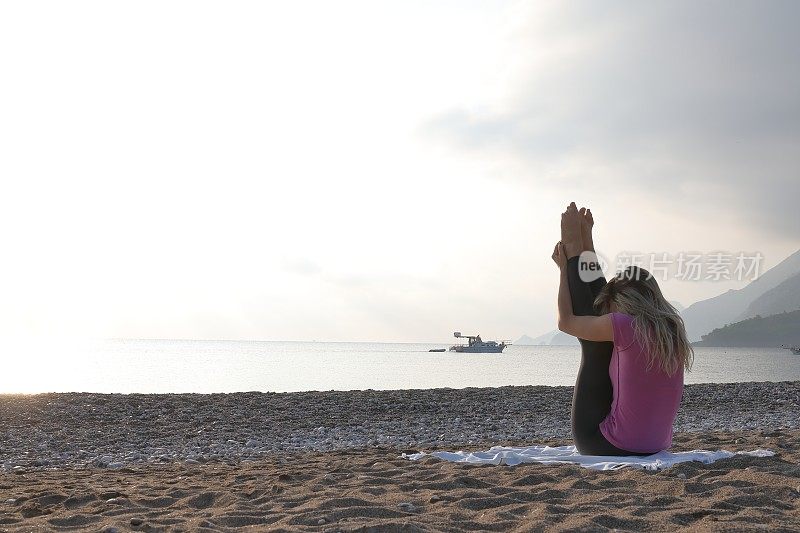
x,y
560,255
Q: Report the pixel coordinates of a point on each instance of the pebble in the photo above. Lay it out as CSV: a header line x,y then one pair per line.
x,y
136,522
203,427
407,507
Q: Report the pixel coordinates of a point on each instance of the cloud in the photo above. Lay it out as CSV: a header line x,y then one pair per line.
x,y
684,102
302,266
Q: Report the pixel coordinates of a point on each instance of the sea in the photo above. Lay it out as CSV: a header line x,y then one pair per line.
x,y
203,366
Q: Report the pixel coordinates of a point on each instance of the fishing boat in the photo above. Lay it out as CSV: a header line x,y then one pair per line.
x,y
477,345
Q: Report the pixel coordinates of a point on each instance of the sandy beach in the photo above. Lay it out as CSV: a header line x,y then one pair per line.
x,y
331,461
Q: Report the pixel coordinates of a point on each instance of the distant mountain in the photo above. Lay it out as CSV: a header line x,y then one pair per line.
x,y
706,315
784,297
551,338
769,332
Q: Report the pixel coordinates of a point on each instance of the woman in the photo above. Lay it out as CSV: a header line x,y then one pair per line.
x,y
634,350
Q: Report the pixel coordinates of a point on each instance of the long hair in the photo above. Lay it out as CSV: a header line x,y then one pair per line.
x,y
657,325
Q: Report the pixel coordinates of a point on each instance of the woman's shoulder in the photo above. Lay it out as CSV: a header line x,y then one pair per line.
x,y
621,318
622,325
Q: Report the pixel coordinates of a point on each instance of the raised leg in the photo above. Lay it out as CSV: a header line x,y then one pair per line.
x,y
593,393
587,225
591,400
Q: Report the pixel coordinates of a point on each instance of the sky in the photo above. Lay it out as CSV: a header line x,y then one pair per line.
x,y
382,171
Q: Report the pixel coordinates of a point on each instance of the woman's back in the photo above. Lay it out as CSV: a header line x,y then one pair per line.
x,y
645,402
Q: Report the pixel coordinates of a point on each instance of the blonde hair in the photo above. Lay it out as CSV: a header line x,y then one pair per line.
x,y
657,325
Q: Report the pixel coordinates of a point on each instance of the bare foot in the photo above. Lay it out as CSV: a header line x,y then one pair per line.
x,y
587,223
571,231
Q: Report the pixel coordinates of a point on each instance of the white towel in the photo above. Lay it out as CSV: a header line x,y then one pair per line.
x,y
503,455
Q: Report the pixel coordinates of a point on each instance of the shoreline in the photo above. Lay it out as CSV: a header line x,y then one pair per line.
x,y
116,430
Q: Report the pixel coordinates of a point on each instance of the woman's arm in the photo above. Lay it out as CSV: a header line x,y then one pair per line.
x,y
590,328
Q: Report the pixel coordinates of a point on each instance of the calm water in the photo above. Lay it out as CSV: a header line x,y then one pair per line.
x,y
231,366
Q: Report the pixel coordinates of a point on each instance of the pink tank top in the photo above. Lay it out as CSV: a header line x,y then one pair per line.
x,y
645,402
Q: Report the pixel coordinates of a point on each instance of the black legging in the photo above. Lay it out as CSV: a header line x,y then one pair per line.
x,y
591,400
